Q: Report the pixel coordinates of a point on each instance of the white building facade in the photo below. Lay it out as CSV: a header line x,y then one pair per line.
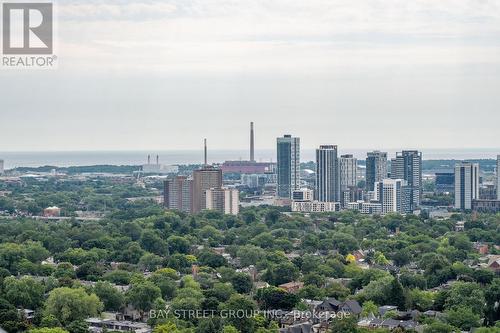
x,y
224,200
394,195
315,206
348,172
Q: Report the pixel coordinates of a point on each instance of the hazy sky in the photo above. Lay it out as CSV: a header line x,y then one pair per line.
x,y
357,73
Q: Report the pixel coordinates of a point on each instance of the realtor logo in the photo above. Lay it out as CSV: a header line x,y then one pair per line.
x,y
27,28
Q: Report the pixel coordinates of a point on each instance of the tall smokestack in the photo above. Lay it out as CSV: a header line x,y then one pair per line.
x,y
157,160
252,144
149,159
206,159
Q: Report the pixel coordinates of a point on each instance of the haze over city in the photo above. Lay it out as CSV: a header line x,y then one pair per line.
x,y
163,75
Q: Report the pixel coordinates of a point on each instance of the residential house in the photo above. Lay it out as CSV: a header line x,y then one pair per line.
x,y
292,287
299,328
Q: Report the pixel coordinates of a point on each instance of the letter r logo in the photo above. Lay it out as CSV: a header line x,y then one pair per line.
x,y
27,28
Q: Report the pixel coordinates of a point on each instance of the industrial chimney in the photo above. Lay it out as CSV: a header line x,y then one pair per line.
x,y
206,160
252,147
149,159
157,159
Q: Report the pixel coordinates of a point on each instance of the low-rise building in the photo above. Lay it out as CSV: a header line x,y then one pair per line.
x,y
292,287
99,325
52,212
486,206
315,206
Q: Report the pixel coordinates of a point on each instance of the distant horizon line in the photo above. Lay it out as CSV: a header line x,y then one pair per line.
x,y
152,150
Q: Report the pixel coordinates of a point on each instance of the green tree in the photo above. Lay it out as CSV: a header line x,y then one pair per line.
x,y
69,305
50,321
10,255
230,329
439,327
344,325
143,294
276,298
463,318
152,242
396,295
344,243
111,297
492,295
35,252
208,258
369,308
236,303
242,283
47,330
420,300
178,244
25,292
466,294
150,262
281,273
78,326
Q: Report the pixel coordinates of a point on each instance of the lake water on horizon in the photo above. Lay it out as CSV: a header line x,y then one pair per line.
x,y
82,158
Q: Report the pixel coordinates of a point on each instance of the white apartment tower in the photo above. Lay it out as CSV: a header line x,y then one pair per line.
x,y
348,172
394,195
466,184
224,200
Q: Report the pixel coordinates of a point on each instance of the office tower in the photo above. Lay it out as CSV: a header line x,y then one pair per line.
x,y
327,174
348,172
224,200
498,177
288,165
252,144
376,168
408,166
445,182
394,195
466,184
1,167
204,179
178,193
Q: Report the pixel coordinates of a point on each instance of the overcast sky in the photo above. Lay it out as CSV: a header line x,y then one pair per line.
x,y
149,75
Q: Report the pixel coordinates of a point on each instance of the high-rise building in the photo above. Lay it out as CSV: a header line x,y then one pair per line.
x,y
224,200
498,177
466,184
348,172
394,195
351,194
445,182
327,174
204,179
178,193
376,168
1,167
408,166
288,165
